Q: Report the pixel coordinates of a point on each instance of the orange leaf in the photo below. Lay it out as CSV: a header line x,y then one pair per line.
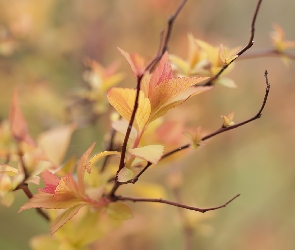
x,y
135,61
63,218
18,123
172,93
81,169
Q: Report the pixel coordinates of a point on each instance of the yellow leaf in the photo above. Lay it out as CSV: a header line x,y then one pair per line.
x,y
96,157
63,218
119,211
81,168
125,174
151,153
123,101
55,142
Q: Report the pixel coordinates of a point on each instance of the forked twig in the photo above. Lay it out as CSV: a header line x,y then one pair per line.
x,y
218,131
242,51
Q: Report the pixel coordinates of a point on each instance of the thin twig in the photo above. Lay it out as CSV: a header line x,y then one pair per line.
x,y
201,210
124,147
109,148
29,194
164,44
243,50
267,53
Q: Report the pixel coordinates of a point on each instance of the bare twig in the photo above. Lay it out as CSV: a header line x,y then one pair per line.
x,y
201,210
267,53
164,44
243,50
109,148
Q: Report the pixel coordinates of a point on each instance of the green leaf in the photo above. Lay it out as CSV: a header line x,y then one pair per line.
x,y
226,82
119,211
125,174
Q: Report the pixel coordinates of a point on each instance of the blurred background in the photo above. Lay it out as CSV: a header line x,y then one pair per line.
x,y
43,46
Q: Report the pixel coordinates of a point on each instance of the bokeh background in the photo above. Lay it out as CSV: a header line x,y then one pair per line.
x,y
42,48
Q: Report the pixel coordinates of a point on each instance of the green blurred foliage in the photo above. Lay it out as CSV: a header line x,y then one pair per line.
x,y
47,42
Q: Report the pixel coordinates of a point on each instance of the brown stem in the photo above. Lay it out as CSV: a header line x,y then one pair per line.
x,y
164,44
124,147
109,148
172,203
29,194
243,50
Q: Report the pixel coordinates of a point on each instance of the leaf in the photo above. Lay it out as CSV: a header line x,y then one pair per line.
x,y
45,200
123,101
55,142
125,174
119,211
135,61
173,93
44,242
162,73
63,218
81,169
226,82
50,180
19,128
96,157
122,125
151,153
228,120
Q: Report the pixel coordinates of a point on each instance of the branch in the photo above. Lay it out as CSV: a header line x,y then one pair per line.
x,y
150,66
218,131
243,50
29,194
109,148
164,44
267,53
201,210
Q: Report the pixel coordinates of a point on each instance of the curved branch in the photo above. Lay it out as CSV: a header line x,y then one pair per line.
x,y
172,203
243,50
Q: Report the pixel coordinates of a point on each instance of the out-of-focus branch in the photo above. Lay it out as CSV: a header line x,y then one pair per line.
x,y
243,50
267,53
201,210
29,194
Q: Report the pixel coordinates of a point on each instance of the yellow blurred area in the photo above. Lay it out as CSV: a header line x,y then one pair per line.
x,y
42,48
